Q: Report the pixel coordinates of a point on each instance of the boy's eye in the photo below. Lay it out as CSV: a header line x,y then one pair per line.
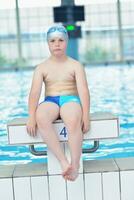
x,y
52,40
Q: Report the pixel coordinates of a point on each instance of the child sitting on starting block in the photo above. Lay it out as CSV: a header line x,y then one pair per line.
x,y
66,97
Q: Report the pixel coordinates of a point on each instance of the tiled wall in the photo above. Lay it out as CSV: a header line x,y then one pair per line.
x,y
101,180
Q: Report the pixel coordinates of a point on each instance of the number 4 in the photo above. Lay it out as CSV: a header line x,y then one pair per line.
x,y
63,132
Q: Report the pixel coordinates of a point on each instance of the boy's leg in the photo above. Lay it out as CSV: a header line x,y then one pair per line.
x,y
71,113
46,114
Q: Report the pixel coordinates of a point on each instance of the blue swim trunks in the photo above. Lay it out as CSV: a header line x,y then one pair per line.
x,y
60,100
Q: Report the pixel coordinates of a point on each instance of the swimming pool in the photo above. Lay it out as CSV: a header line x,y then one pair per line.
x,y
111,89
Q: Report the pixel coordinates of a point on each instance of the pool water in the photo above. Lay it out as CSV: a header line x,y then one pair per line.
x,y
111,90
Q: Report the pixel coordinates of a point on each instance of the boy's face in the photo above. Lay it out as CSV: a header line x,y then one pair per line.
x,y
57,46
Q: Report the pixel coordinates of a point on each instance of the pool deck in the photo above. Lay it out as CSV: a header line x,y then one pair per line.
x,y
110,179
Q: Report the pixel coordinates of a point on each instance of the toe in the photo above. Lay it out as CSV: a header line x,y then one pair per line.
x,y
67,171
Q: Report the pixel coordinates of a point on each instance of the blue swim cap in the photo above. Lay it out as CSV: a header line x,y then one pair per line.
x,y
57,31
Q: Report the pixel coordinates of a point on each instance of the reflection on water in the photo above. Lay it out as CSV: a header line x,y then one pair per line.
x,y
111,90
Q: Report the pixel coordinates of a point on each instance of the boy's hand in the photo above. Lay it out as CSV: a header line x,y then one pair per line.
x,y
85,124
31,126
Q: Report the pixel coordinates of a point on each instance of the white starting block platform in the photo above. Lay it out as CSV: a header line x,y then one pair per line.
x,y
50,184
103,126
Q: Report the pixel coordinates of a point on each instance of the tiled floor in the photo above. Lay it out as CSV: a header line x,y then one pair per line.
x,y
102,180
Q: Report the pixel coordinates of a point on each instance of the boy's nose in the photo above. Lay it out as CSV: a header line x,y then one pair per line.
x,y
57,43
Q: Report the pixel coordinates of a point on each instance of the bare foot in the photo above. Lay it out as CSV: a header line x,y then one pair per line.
x,y
74,172
66,168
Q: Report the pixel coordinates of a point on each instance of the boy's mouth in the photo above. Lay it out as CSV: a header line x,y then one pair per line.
x,y
57,49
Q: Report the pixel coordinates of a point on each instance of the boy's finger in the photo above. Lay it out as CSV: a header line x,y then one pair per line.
x,y
34,131
86,130
28,130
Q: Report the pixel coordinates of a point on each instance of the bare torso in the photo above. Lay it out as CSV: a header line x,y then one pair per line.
x,y
59,78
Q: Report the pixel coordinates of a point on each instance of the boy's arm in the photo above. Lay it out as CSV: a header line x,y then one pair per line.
x,y
33,100
82,87
83,91
35,91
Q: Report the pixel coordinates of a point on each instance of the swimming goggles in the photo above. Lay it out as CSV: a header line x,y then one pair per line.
x,y
60,29
57,31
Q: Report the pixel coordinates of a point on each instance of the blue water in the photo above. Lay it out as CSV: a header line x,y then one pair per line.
x,y
111,89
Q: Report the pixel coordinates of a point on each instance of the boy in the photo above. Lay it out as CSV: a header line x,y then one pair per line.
x,y
66,96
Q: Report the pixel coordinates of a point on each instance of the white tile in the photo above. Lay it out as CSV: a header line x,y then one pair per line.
x,y
39,185
53,164
93,186
111,187
6,189
75,189
22,189
125,164
57,188
127,185
96,166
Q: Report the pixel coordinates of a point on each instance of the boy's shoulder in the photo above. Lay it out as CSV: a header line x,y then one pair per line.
x,y
41,66
75,63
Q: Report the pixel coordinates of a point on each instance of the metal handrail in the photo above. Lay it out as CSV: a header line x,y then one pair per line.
x,y
35,152
44,153
93,149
